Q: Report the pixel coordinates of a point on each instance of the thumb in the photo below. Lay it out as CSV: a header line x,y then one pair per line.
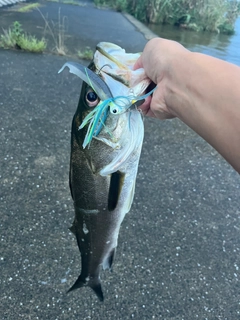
x,y
138,64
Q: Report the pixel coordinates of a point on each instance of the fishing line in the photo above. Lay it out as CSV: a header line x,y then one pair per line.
x,y
90,82
105,65
114,105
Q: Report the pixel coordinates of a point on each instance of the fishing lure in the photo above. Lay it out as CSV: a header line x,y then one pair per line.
x,y
115,105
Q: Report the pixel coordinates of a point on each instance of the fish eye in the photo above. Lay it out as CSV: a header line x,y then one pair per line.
x,y
91,98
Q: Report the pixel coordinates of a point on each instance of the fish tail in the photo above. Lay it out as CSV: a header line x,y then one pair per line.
x,y
93,283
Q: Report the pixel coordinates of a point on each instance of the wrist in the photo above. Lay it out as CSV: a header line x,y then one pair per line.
x,y
176,82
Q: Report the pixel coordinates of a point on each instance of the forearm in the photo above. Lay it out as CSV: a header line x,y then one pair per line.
x,y
204,93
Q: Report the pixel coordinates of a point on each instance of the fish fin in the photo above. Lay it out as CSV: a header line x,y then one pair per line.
x,y
134,145
70,184
72,229
115,187
78,284
97,288
130,198
94,284
109,260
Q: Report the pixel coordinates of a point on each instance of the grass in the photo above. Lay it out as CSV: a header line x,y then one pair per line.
x,y
199,15
7,40
29,7
87,54
32,44
57,32
73,2
15,38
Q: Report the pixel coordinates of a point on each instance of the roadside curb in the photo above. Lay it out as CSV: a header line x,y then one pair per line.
x,y
148,34
9,2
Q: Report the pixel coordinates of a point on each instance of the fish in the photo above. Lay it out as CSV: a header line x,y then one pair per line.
x,y
106,141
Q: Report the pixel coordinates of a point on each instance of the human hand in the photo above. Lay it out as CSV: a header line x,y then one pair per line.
x,y
189,87
156,60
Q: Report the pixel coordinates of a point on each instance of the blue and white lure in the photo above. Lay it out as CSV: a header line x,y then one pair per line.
x,y
108,104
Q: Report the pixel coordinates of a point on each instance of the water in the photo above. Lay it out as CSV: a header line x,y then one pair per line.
x,y
221,46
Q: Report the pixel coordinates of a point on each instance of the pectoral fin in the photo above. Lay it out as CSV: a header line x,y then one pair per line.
x,y
116,182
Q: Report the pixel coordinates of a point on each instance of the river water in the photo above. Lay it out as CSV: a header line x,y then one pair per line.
x,y
218,45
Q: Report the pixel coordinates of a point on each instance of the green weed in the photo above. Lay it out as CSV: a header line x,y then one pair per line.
x,y
57,32
87,54
30,43
7,39
118,5
73,2
15,37
199,15
29,7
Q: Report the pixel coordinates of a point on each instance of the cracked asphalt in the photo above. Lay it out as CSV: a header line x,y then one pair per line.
x,y
178,255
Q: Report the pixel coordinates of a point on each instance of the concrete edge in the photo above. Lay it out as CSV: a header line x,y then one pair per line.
x,y
148,34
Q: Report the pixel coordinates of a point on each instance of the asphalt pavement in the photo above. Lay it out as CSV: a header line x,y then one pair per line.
x,y
178,255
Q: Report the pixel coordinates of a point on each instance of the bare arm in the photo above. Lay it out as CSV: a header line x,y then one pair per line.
x,y
202,91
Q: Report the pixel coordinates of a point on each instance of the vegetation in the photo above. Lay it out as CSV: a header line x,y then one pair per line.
x,y
15,37
73,2
87,54
29,7
199,15
57,32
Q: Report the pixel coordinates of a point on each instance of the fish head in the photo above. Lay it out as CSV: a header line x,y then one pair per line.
x,y
116,69
110,87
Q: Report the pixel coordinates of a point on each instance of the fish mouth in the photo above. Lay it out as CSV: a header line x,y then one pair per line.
x,y
116,62
99,48
115,66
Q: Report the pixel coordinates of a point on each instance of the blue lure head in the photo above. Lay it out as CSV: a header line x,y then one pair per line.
x,y
121,104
